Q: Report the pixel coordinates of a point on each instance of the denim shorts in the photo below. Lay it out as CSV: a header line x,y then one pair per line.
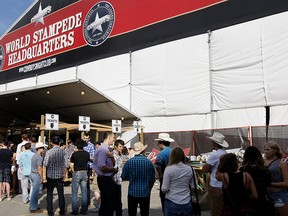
x,y
279,198
5,175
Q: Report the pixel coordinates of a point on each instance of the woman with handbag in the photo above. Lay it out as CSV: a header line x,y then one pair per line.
x,y
176,185
238,188
277,192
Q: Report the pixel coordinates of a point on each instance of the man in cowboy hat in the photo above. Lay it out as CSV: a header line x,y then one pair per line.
x,y
36,177
139,171
162,159
211,166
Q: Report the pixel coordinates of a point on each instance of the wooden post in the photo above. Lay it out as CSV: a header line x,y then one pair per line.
x,y
42,140
142,136
97,136
42,128
67,137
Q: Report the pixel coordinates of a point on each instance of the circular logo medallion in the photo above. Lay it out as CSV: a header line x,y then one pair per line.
x,y
98,23
2,57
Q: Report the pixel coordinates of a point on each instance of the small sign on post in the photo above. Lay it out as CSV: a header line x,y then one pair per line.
x,y
116,126
137,126
51,121
84,123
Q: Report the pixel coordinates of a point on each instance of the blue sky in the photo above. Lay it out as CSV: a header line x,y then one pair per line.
x,y
10,10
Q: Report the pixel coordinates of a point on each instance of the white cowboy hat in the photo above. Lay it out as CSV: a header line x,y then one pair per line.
x,y
40,145
138,148
219,139
164,137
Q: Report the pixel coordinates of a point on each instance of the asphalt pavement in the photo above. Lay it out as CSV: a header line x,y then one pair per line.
x,y
15,207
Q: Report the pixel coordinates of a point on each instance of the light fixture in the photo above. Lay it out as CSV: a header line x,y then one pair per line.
x,y
122,118
82,92
48,92
16,98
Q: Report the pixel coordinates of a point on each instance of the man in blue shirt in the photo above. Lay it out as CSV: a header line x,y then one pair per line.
x,y
139,171
162,159
25,162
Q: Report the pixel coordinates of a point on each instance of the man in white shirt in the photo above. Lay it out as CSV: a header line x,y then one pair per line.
x,y
211,166
19,150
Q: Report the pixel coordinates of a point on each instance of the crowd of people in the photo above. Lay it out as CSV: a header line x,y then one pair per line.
x,y
257,186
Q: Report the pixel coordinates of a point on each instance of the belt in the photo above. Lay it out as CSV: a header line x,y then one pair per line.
x,y
35,173
102,176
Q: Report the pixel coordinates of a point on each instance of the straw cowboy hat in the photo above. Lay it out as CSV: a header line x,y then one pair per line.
x,y
40,145
164,137
138,148
219,139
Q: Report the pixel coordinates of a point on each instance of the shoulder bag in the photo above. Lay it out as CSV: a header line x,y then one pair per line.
x,y
196,208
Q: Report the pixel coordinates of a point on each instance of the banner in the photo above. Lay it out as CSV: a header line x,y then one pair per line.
x,y
58,34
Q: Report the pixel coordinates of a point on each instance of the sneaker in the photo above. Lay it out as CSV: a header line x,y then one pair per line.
x,y
73,213
9,198
36,211
95,210
62,212
1,199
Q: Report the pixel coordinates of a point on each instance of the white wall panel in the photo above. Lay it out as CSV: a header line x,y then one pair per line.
x,y
172,78
111,76
176,123
240,117
275,56
237,67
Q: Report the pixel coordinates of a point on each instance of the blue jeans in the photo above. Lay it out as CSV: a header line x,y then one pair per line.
x,y
60,190
25,196
174,209
79,178
36,182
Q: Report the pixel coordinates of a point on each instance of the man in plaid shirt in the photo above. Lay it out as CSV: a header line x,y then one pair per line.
x,y
56,163
139,171
90,148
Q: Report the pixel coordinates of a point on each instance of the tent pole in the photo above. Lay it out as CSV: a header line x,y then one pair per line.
x,y
211,80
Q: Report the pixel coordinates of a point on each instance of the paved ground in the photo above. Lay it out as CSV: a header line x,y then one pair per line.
x,y
15,207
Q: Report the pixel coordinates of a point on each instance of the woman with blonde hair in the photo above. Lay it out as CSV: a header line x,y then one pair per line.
x,y
176,185
277,192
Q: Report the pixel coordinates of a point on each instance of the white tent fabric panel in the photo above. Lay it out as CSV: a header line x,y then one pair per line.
x,y
240,117
279,115
172,78
60,76
111,76
176,123
275,55
2,88
237,76
20,85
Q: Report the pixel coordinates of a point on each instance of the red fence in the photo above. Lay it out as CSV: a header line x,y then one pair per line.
x,y
240,137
